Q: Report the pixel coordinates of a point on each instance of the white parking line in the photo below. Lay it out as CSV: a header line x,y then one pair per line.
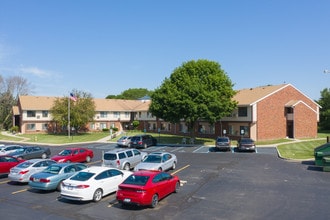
x,y
199,149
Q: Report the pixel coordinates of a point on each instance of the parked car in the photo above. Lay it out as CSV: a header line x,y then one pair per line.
x,y
124,141
223,143
75,154
146,188
158,161
22,172
33,152
143,141
124,159
246,144
52,177
7,162
7,149
93,183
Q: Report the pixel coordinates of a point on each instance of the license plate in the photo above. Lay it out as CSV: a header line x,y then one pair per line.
x,y
70,187
127,200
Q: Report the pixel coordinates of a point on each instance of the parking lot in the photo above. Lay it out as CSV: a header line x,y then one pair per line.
x,y
215,185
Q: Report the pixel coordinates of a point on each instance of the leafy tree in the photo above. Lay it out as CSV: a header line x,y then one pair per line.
x,y
131,94
82,110
325,110
196,90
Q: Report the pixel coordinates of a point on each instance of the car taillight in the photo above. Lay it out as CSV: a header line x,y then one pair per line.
x,y
82,186
118,162
140,142
44,180
23,171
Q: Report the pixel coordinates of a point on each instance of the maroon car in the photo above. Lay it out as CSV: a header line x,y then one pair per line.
x,y
7,162
75,154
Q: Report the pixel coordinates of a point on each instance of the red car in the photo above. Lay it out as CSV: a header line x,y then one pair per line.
x,y
146,188
76,154
7,162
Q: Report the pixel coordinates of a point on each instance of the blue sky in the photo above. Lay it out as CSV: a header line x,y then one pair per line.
x,y
105,46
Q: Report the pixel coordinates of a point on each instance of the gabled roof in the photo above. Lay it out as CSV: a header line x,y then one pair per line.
x,y
46,103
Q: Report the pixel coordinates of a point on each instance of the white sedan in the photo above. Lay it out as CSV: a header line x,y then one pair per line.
x,y
93,183
160,161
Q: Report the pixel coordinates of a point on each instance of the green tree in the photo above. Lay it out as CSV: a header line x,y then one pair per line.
x,y
196,90
131,94
82,110
325,110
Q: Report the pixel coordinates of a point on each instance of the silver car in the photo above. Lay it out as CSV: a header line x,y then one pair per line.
x,y
7,149
161,161
124,141
124,159
23,171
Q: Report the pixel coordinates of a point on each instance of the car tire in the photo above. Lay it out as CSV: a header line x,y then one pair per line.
x,y
97,195
160,169
173,166
44,156
154,201
58,188
145,146
127,167
177,187
88,159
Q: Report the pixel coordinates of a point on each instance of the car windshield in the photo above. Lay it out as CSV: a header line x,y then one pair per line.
x,y
222,140
153,159
25,164
82,176
136,180
247,141
65,152
53,169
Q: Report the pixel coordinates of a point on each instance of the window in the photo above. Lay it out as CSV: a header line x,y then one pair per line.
x,y
31,127
31,114
126,114
44,114
103,125
242,111
44,127
103,114
116,114
129,153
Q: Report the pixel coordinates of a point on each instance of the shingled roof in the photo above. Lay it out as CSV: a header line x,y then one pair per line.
x,y
253,95
46,103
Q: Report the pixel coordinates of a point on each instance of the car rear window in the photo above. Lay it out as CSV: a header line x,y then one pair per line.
x,y
222,140
82,176
136,180
137,138
110,156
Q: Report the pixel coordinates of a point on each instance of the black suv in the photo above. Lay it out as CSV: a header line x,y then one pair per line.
x,y
143,141
223,143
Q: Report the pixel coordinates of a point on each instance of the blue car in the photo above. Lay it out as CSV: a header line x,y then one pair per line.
x,y
52,177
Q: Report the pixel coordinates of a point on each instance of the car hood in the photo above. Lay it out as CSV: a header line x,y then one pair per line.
x,y
147,166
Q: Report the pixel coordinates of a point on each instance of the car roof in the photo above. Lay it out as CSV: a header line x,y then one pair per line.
x,y
36,160
98,169
159,153
119,150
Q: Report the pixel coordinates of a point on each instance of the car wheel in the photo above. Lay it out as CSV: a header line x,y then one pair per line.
x,y
154,201
145,146
88,159
160,169
127,167
58,188
97,195
44,156
177,187
173,166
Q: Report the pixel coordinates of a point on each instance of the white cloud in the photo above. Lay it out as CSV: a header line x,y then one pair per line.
x,y
35,71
